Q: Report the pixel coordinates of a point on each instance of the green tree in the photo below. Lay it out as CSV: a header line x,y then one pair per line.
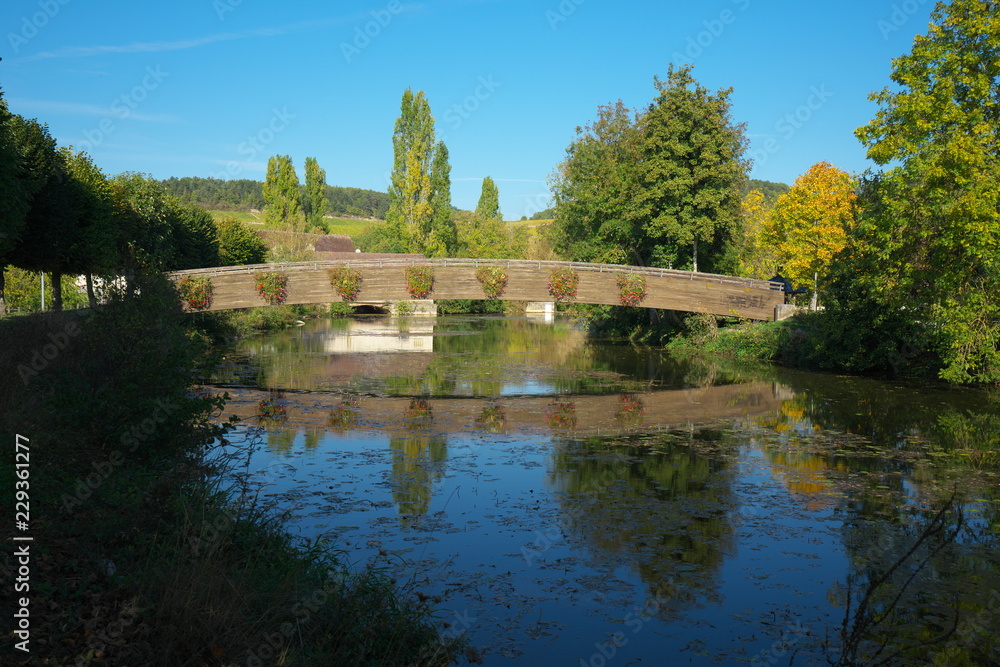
x,y
144,213
927,240
444,234
94,248
51,217
654,187
282,209
238,244
410,210
489,201
196,241
596,189
692,173
315,197
13,198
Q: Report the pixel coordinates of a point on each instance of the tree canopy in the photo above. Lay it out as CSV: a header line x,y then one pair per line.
x,y
653,187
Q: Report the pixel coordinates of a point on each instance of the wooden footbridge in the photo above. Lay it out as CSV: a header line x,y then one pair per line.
x,y
383,281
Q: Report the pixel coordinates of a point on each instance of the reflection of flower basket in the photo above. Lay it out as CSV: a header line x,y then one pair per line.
x,y
563,283
631,289
418,415
196,291
269,411
493,279
493,419
346,281
344,414
270,285
561,416
419,280
629,411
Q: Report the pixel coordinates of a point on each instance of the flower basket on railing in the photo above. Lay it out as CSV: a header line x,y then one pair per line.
x,y
419,280
493,279
631,289
563,283
270,285
346,281
196,291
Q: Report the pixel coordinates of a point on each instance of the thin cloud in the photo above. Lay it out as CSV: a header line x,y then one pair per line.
x,y
179,45
20,104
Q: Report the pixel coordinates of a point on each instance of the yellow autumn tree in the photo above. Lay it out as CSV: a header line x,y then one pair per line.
x,y
809,224
758,256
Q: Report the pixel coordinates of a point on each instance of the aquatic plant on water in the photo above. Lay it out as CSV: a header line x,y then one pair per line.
x,y
269,411
196,291
271,286
630,410
631,289
563,283
493,279
419,280
347,281
344,414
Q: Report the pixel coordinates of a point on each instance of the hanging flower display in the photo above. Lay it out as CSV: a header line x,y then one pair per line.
x,y
493,279
419,280
270,285
631,289
346,281
196,291
563,283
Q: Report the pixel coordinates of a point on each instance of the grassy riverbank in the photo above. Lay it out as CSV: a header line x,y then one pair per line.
x,y
145,548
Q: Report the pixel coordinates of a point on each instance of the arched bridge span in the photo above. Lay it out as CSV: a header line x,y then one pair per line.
x,y
383,280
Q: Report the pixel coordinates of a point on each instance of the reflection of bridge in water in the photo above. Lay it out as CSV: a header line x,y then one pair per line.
x,y
384,281
568,415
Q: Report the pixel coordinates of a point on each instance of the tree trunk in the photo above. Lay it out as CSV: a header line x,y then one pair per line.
x,y
815,296
695,256
91,298
57,292
3,288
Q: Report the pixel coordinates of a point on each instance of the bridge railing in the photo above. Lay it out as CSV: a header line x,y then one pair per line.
x,y
523,264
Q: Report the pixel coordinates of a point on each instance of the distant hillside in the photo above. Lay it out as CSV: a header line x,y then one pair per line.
x,y
769,189
243,195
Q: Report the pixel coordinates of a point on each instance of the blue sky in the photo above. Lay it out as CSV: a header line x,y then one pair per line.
x,y
214,87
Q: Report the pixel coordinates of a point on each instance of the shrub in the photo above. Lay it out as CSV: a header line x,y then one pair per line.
x,y
631,289
271,286
493,279
419,281
346,281
563,283
238,244
196,291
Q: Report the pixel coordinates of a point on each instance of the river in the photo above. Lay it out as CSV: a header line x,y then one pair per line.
x,y
578,503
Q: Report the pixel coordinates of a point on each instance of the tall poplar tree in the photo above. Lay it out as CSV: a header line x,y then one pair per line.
x,y
444,234
282,208
315,195
410,210
489,201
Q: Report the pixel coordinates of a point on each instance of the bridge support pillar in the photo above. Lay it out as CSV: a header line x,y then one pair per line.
x,y
545,310
425,307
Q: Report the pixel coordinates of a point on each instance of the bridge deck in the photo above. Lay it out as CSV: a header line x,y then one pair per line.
x,y
383,280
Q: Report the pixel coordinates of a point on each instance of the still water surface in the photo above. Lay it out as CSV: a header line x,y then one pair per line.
x,y
581,503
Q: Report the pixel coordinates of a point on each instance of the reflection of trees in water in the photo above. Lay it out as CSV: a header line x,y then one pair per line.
x,y
281,440
940,604
664,512
417,463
